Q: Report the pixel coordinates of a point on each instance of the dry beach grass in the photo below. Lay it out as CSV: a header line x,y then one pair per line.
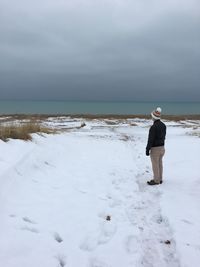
x,y
22,131
41,117
23,126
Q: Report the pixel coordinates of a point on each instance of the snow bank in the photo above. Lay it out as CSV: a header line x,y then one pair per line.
x,y
80,198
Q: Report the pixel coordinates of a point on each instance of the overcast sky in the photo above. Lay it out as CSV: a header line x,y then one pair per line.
x,y
100,50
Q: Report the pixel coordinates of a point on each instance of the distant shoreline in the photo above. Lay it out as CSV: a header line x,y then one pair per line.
x,y
99,116
97,109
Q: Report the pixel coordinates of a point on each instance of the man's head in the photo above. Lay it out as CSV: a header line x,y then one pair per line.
x,y
156,114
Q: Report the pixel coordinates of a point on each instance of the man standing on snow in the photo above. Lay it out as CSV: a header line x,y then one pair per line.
x,y
155,146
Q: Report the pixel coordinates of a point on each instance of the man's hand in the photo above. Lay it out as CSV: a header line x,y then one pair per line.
x,y
147,152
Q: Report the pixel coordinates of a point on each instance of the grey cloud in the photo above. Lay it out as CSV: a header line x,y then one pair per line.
x,y
106,50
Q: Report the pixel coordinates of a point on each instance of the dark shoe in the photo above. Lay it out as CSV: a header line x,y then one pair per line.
x,y
152,182
161,182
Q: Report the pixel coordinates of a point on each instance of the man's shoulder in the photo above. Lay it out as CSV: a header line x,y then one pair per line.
x,y
163,124
159,124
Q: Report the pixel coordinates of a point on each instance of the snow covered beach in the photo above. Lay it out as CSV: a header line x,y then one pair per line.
x,y
80,198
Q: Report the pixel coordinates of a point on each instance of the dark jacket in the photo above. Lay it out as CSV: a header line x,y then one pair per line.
x,y
157,134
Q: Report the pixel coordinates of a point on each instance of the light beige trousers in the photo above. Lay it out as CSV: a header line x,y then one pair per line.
x,y
156,155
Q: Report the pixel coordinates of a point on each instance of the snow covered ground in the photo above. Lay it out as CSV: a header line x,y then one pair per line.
x,y
80,198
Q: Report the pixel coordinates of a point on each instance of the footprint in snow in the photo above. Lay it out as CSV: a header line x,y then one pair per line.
x,y
107,231
136,215
90,242
35,181
19,173
30,229
61,260
159,219
48,164
26,219
12,215
57,237
101,236
83,191
186,221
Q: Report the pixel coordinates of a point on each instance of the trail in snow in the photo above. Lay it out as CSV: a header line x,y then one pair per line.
x,y
151,230
143,211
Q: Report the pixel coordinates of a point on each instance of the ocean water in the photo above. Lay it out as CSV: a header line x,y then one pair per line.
x,y
66,107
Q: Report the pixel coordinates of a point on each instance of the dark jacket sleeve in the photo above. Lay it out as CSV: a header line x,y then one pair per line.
x,y
151,138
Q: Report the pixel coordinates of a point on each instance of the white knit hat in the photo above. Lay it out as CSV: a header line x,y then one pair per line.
x,y
156,114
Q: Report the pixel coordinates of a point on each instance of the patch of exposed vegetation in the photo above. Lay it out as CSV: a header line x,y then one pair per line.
x,y
111,122
197,134
22,131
